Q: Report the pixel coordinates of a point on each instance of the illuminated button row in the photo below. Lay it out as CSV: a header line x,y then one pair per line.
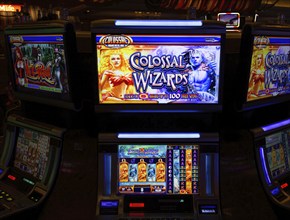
x,y
6,196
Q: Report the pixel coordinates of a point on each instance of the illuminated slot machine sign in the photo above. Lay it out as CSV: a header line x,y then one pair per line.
x,y
161,65
159,169
42,67
10,8
155,173
273,152
28,165
265,59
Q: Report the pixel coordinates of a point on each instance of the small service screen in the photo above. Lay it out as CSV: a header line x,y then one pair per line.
x,y
158,69
232,19
158,169
32,152
39,62
270,69
278,153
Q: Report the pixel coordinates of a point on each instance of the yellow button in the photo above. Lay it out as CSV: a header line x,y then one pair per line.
x,y
9,199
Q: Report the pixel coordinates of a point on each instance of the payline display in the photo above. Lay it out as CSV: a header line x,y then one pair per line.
x,y
277,152
158,169
32,153
158,68
270,68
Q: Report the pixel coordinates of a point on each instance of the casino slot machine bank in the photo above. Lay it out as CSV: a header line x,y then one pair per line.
x,y
148,68
43,159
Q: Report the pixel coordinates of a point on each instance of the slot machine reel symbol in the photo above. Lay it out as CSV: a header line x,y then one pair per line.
x,y
142,171
123,171
160,171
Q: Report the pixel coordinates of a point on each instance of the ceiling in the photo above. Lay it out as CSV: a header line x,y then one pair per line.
x,y
95,9
75,3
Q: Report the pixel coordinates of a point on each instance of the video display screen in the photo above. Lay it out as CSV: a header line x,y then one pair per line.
x,y
158,169
278,153
158,69
270,68
32,152
39,62
232,19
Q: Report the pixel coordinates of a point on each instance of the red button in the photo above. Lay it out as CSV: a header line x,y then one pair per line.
x,y
284,185
136,205
13,178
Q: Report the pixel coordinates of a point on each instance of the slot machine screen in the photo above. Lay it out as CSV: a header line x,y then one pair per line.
x,y
269,73
277,150
158,169
42,63
232,19
162,68
39,63
265,59
32,153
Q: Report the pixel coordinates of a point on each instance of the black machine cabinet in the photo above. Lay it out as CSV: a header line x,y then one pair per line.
x,y
29,164
43,63
272,147
153,175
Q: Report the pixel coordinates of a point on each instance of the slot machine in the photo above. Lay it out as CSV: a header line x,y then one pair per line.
x,y
260,98
269,85
271,144
156,82
30,160
42,63
154,175
46,149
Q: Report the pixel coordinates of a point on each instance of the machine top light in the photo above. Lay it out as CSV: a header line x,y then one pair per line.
x,y
276,125
181,23
158,135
